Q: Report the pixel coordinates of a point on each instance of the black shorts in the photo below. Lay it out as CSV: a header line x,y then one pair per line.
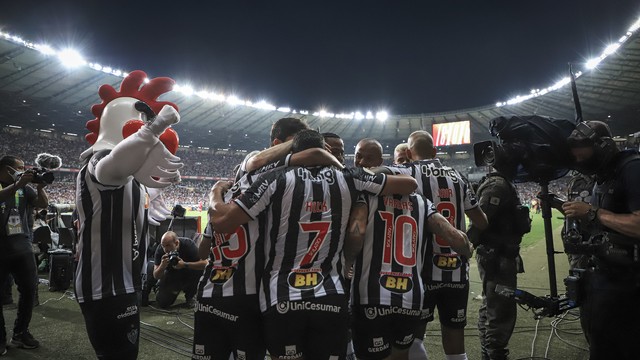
x,y
315,329
376,329
451,300
113,326
228,325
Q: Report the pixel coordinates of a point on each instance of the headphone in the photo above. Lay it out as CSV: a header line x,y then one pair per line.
x,y
605,147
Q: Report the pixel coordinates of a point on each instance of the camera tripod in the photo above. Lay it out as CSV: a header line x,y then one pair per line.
x,y
552,304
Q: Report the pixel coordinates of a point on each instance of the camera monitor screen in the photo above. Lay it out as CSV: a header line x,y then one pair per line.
x,y
453,133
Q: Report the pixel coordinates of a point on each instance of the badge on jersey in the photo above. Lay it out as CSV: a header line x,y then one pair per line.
x,y
396,284
221,274
446,262
14,223
305,280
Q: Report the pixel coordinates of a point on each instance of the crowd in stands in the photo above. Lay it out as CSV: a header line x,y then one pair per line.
x,y
198,162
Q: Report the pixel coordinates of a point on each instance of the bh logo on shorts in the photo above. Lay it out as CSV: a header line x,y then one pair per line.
x,y
446,262
396,284
305,280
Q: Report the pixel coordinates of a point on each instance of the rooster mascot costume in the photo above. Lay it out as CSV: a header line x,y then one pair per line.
x,y
130,161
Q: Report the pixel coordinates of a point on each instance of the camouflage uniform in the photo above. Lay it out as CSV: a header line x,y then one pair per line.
x,y
498,263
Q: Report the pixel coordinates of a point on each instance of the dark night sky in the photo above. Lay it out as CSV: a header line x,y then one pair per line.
x,y
404,56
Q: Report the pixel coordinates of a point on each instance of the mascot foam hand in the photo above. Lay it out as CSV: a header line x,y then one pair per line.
x,y
160,168
168,116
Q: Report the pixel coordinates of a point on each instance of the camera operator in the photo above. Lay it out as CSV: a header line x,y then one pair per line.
x,y
610,314
497,254
17,202
177,267
580,188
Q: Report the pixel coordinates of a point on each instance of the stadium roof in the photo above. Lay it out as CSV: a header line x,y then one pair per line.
x,y
30,71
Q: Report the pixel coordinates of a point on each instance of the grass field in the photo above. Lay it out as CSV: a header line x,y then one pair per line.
x,y
59,326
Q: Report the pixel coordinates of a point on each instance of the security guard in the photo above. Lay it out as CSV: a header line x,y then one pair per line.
x,y
498,261
610,314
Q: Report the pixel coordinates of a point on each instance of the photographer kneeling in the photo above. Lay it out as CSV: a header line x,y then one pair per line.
x,y
178,268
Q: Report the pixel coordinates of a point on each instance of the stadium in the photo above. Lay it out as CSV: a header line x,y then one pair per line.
x,y
46,93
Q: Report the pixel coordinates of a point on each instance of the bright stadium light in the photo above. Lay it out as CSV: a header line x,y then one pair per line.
x,y
369,115
233,100
358,116
45,49
611,48
635,26
284,109
592,63
382,115
71,58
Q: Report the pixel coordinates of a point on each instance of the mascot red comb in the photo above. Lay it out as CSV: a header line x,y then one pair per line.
x,y
132,155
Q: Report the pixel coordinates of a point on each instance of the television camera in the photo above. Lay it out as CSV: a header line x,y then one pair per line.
x,y
534,149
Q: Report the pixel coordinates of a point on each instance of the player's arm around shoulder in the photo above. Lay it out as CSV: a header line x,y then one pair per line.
x,y
399,184
457,239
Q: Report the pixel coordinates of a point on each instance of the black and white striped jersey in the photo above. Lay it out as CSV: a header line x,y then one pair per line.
x,y
113,237
452,196
307,212
388,270
236,260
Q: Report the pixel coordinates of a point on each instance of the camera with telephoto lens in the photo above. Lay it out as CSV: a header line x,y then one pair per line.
x,y
530,148
178,211
174,257
42,176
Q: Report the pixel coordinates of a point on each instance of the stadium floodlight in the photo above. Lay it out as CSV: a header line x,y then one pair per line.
x,y
203,94
284,109
96,66
382,115
369,115
186,90
45,49
233,100
592,63
304,112
262,104
218,97
358,116
635,26
611,48
117,72
107,69
71,58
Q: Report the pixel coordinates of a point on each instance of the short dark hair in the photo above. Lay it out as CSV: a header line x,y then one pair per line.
x,y
327,135
8,160
307,139
285,127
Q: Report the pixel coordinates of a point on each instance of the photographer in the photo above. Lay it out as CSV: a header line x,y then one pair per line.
x,y
177,267
610,314
497,254
17,202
